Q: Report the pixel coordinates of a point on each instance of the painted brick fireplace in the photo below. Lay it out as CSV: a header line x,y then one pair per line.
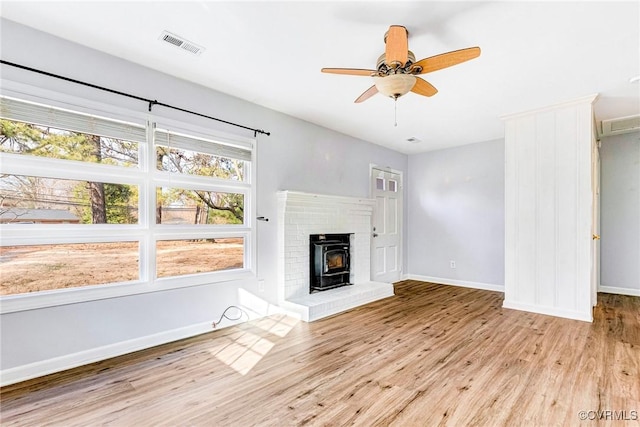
x,y
303,214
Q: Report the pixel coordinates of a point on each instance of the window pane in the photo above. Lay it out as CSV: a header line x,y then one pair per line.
x,y
180,206
188,162
180,257
46,267
29,139
393,185
379,183
36,200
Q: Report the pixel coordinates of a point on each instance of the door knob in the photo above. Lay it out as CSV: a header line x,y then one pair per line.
x,y
596,237
375,234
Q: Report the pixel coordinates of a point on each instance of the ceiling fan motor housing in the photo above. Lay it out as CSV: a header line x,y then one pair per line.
x,y
384,69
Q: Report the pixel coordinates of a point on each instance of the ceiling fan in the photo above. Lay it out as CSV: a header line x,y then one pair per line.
x,y
397,69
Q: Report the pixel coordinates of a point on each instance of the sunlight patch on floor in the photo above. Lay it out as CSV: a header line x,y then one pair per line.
x,y
278,324
242,350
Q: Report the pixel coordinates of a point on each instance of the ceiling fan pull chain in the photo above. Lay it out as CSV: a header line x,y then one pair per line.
x,y
395,112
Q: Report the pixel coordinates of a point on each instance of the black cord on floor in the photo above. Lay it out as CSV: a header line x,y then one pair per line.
x,y
224,315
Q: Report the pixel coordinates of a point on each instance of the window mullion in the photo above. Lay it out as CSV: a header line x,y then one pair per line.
x,y
15,164
148,206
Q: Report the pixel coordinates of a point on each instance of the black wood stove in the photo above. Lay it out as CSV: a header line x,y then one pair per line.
x,y
329,261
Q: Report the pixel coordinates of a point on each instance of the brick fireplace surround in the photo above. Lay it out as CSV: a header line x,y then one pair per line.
x,y
303,214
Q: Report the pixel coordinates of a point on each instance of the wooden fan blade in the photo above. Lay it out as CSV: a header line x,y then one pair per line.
x,y
397,46
423,87
448,59
349,71
367,94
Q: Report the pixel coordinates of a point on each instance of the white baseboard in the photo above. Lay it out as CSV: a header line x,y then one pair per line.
x,y
549,311
620,291
68,361
455,282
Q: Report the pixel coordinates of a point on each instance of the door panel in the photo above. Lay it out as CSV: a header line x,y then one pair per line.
x,y
391,215
379,218
380,262
392,258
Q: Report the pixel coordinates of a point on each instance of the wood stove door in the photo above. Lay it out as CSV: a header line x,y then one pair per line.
x,y
336,260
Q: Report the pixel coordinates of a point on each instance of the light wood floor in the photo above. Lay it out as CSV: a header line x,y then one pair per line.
x,y
431,355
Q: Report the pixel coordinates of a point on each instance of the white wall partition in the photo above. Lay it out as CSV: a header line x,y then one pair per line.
x,y
548,217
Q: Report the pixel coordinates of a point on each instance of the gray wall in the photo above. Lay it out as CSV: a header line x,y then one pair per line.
x,y
297,156
456,212
620,213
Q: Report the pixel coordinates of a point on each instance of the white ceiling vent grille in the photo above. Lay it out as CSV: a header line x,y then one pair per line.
x,y
620,125
181,43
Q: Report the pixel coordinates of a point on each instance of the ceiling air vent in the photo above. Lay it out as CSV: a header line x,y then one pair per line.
x,y
180,42
620,125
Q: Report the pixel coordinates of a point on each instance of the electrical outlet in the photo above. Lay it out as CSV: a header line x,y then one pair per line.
x,y
452,264
261,285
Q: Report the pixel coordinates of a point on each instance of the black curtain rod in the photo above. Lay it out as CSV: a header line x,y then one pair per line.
x,y
128,95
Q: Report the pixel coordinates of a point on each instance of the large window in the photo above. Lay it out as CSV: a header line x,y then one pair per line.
x,y
93,207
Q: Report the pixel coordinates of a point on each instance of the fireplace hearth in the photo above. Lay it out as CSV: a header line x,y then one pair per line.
x,y
329,261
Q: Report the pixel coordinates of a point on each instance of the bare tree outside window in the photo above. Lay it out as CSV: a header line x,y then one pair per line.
x,y
194,163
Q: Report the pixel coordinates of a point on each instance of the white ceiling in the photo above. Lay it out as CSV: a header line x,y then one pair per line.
x,y
534,54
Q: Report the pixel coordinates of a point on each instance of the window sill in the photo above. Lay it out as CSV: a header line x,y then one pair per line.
x,y
22,302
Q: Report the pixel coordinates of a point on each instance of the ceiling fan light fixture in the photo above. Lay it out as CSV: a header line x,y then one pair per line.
x,y
395,85
397,70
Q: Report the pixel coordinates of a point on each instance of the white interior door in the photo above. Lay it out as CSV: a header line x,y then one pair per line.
x,y
386,240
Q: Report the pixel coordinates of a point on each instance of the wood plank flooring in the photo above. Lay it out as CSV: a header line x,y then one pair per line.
x,y
432,355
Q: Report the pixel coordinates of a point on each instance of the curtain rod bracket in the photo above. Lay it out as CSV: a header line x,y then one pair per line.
x,y
152,103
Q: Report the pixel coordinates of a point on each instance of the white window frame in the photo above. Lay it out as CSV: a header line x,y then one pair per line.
x,y
146,232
